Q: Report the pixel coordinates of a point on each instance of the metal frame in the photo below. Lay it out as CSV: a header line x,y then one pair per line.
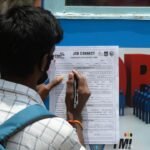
x,y
96,12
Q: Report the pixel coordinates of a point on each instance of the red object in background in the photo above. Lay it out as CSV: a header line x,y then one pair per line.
x,y
138,73
122,77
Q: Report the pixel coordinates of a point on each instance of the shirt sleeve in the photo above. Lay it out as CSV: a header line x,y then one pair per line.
x,y
72,141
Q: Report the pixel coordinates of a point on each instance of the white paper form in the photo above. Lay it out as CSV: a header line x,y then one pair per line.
x,y
100,66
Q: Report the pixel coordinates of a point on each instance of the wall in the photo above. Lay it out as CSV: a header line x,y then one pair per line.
x,y
125,33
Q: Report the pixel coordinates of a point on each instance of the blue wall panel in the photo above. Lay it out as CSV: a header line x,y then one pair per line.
x,y
125,33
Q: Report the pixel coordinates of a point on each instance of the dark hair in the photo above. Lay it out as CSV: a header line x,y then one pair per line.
x,y
26,34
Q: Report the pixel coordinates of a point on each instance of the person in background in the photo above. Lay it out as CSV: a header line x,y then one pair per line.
x,y
7,4
28,36
42,88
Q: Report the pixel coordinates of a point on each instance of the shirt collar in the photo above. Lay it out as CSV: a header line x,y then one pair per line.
x,y
20,89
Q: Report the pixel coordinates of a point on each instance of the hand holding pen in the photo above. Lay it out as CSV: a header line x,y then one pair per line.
x,y
77,93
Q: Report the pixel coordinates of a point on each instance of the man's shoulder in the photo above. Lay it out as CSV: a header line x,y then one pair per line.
x,y
55,133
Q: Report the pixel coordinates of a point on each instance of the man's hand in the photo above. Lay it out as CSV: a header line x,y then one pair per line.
x,y
44,89
74,113
82,91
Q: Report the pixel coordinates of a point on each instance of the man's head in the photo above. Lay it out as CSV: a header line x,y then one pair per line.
x,y
27,39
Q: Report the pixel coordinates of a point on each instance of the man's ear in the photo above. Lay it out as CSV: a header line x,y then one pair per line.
x,y
44,65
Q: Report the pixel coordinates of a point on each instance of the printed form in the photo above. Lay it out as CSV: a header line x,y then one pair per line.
x,y
100,66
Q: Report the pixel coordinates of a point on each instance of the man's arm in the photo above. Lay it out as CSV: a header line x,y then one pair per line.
x,y
44,89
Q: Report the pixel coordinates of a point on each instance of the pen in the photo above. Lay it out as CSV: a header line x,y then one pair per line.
x,y
75,99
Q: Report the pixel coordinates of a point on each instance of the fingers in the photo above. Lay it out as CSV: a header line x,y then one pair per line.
x,y
82,83
69,92
54,82
69,88
44,89
77,74
83,91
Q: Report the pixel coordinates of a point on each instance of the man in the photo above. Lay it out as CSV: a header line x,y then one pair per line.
x,y
28,36
43,89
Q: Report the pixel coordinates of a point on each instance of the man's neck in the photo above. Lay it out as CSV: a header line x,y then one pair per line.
x,y
28,81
